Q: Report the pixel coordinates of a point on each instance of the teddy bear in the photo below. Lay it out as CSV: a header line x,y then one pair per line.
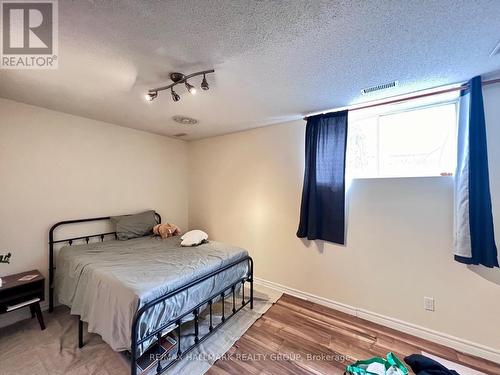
x,y
166,230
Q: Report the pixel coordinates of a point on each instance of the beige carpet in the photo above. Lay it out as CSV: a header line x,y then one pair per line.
x,y
24,349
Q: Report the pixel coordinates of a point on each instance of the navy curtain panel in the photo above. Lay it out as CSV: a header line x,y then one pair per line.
x,y
474,236
322,212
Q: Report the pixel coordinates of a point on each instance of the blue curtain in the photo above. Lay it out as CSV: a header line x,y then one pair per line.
x,y
474,236
322,212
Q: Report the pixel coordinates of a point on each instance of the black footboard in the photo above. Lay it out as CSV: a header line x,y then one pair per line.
x,y
227,290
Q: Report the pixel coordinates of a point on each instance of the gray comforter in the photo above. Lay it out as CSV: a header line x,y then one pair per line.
x,y
105,283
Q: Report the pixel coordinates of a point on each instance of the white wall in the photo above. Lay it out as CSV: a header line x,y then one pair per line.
x,y
245,189
55,166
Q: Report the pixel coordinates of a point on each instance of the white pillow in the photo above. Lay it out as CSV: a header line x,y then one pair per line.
x,y
193,238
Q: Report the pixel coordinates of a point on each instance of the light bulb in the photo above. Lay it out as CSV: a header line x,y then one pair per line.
x,y
175,96
150,96
204,83
190,88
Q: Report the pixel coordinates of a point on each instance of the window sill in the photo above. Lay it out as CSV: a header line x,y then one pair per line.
x,y
400,177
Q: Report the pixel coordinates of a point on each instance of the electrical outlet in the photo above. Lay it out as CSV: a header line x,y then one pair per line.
x,y
429,303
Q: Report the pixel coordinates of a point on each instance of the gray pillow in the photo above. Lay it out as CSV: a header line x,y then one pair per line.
x,y
133,226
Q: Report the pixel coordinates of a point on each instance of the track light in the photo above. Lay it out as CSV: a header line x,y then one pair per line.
x,y
190,88
178,79
150,96
175,96
204,83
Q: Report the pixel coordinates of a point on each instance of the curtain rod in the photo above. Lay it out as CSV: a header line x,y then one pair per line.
x,y
393,101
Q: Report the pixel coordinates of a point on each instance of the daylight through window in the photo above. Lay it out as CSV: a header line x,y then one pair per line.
x,y
403,142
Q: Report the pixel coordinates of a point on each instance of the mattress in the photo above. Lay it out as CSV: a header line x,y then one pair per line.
x,y
107,282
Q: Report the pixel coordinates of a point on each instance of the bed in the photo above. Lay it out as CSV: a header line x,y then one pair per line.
x,y
133,292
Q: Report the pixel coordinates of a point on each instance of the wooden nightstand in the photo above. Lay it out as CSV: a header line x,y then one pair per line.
x,y
16,294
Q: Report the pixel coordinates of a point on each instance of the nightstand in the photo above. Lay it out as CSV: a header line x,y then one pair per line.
x,y
16,293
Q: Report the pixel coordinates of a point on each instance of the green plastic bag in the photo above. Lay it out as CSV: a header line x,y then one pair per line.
x,y
387,366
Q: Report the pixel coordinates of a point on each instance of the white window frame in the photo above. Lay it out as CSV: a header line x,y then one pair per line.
x,y
408,106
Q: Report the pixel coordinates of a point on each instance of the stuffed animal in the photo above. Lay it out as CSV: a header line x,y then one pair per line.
x,y
166,230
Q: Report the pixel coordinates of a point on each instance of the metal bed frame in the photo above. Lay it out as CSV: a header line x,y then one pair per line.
x,y
222,294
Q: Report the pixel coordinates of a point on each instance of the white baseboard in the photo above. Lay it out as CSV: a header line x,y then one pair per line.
x,y
456,343
18,315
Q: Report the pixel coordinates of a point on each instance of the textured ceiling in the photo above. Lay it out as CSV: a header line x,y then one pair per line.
x,y
274,60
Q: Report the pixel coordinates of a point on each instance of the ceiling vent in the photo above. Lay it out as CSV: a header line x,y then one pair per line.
x,y
496,50
385,86
185,120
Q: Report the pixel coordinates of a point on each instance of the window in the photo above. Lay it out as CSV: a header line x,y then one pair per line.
x,y
403,141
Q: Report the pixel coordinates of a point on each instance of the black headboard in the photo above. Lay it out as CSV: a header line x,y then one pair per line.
x,y
87,238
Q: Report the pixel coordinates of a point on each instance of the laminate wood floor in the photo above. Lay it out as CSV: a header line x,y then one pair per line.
x,y
300,337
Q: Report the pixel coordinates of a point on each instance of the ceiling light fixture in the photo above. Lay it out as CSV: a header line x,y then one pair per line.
x,y
175,96
204,83
178,78
190,88
150,96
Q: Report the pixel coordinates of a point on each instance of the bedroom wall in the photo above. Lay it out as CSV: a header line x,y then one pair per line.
x,y
245,189
55,166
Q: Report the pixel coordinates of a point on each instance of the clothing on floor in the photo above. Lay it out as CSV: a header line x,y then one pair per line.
x,y
422,365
